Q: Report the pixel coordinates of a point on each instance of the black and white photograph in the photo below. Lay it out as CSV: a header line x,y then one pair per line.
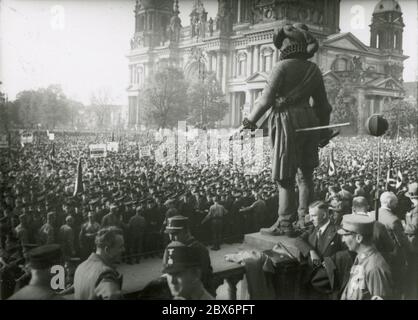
x,y
217,150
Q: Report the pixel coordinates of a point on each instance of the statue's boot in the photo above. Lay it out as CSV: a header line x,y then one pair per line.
x,y
279,230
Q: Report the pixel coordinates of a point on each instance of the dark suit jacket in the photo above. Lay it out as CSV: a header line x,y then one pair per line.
x,y
328,244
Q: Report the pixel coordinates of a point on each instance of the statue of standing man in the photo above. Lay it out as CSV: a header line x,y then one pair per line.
x,y
293,81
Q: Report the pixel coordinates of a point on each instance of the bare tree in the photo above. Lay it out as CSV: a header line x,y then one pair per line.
x,y
101,101
165,98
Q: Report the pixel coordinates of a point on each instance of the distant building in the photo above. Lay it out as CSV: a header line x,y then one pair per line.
x,y
411,92
237,46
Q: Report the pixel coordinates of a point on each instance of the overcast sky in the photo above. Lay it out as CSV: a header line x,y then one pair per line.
x,y
82,44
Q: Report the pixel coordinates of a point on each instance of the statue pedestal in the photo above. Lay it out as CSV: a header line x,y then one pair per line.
x,y
267,242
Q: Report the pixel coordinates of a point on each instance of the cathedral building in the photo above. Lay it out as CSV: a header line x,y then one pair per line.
x,y
237,45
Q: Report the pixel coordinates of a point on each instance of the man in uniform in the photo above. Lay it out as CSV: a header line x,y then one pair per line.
x,y
47,234
216,215
112,219
66,238
370,275
178,230
257,211
97,278
87,235
411,231
136,235
183,272
293,81
41,260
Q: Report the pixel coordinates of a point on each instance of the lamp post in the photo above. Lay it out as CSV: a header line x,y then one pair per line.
x,y
376,126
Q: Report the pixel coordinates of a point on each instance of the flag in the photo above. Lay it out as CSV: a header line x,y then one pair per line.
x,y
390,182
331,164
399,179
79,179
53,150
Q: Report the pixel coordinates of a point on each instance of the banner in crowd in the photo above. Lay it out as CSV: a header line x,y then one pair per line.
x,y
4,141
98,150
113,146
26,137
331,165
145,151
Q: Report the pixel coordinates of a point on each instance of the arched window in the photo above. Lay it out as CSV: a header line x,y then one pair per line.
x,y
266,59
395,40
242,64
141,75
141,23
378,41
341,64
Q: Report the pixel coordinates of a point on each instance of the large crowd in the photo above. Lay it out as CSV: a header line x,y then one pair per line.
x,y
138,195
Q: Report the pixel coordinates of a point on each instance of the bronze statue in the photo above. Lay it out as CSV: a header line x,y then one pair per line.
x,y
293,81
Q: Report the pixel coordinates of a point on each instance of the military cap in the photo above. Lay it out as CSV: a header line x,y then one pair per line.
x,y
113,206
169,201
179,257
176,224
45,256
355,223
29,246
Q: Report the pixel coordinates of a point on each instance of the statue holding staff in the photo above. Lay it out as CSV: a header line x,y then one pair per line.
x,y
293,83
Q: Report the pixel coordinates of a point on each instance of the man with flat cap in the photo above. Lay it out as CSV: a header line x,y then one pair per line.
x,y
178,230
41,260
183,272
370,275
292,83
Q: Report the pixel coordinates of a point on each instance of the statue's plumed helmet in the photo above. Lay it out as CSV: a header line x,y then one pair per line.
x,y
295,39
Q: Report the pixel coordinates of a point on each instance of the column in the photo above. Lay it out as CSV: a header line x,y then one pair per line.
x,y
233,64
136,74
239,11
224,71
209,61
241,97
256,58
232,115
371,105
218,66
249,61
275,56
361,113
137,122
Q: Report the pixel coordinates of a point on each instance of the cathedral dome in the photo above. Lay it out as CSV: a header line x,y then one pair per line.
x,y
386,6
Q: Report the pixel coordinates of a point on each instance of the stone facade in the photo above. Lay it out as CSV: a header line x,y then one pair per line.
x,y
237,46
